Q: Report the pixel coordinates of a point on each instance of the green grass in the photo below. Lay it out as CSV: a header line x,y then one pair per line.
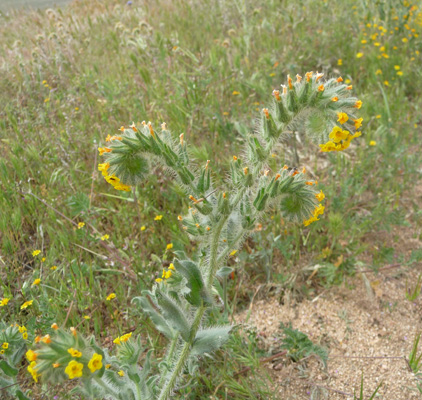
x,y
108,64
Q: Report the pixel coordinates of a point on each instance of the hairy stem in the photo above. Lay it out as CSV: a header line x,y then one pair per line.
x,y
184,355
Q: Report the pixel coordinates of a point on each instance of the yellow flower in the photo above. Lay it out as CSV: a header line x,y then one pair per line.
x,y
22,329
86,317
320,196
4,301
125,337
364,41
358,123
338,134
158,218
105,237
378,72
103,150
359,55
31,355
405,40
397,67
167,274
233,253
46,339
309,221
47,100
158,280
54,326
54,267
25,335
386,83
103,168
339,61
35,253
5,345
358,104
43,259
319,210
342,117
81,225
143,227
36,282
378,116
329,146
74,353
116,341
95,363
74,369
235,93
31,369
169,246
56,365
321,88
121,373
111,296
372,143
108,366
335,98
171,266
400,73
26,304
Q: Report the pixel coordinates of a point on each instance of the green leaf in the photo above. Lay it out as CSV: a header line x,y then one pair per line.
x,y
211,339
224,271
7,369
157,319
173,314
21,396
191,272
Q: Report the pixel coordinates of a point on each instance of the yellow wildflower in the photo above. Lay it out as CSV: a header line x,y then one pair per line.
x,y
235,93
103,168
103,150
372,143
386,83
31,369
233,253
358,123
74,369
125,337
358,104
81,225
22,329
54,267
43,259
5,345
320,196
342,117
31,355
25,335
397,67
74,353
338,134
121,373
169,246
378,72
339,61
405,40
108,366
335,98
36,282
319,210
95,363
171,266
116,341
4,301
26,304
111,296
158,218
105,237
359,55
167,274
158,280
400,73
329,146
54,326
46,339
143,227
35,253
56,365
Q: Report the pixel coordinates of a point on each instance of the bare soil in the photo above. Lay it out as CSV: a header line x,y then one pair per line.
x,y
367,324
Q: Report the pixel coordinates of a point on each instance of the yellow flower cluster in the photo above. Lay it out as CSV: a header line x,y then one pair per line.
x,y
112,179
166,274
319,210
122,339
4,301
340,139
33,371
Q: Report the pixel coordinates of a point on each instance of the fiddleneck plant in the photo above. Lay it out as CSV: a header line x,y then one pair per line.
x,y
218,219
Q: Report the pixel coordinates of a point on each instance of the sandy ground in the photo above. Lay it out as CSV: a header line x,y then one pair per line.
x,y
350,321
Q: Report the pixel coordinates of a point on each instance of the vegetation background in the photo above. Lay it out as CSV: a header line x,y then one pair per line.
x,y
70,76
